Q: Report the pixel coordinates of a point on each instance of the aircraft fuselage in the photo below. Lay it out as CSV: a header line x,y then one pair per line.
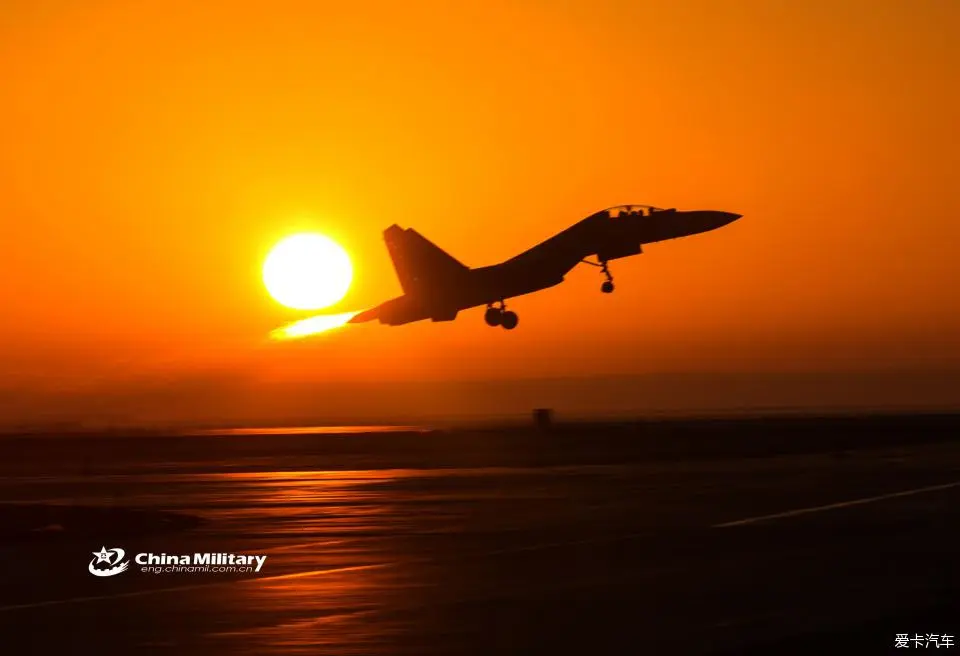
x,y
607,235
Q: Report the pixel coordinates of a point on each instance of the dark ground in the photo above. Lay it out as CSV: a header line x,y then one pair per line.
x,y
651,537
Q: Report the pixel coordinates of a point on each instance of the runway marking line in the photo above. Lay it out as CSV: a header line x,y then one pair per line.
x,y
838,505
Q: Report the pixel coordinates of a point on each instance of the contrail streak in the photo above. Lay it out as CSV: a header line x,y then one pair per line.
x,y
311,326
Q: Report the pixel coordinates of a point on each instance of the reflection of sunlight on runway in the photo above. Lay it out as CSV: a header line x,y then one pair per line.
x,y
302,503
425,560
332,609
311,326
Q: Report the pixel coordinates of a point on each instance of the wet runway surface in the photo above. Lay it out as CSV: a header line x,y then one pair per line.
x,y
793,553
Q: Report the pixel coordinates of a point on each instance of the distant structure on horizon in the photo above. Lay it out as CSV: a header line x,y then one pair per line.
x,y
543,418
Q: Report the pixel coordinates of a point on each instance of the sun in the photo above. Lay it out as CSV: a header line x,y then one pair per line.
x,y
307,271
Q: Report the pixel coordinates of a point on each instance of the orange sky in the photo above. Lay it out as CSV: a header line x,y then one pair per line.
x,y
152,152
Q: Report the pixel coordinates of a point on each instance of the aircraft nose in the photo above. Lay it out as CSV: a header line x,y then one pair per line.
x,y
714,219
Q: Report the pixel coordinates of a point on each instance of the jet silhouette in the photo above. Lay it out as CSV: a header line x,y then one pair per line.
x,y
437,286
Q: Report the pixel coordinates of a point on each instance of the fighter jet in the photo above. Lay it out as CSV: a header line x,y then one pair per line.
x,y
437,286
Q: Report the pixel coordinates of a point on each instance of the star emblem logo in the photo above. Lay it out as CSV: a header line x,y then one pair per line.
x,y
108,562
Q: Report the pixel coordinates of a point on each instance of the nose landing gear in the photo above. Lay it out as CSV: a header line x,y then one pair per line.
x,y
501,316
607,286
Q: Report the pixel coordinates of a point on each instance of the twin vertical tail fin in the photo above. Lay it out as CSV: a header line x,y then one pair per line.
x,y
420,264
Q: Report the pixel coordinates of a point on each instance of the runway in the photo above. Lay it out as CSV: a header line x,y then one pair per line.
x,y
788,553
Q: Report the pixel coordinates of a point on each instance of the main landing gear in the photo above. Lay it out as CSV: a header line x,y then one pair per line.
x,y
607,286
501,316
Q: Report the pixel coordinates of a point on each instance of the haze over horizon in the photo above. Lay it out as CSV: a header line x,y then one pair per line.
x,y
154,152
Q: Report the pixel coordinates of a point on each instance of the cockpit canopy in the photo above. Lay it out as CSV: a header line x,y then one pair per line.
x,y
631,210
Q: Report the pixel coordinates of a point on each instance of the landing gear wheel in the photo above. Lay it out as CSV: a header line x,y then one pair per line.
x,y
607,286
493,316
509,320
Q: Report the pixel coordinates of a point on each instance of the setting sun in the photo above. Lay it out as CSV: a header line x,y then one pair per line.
x,y
307,272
